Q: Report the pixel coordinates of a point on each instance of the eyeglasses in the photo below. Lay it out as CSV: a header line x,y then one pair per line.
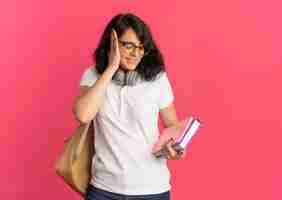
x,y
130,46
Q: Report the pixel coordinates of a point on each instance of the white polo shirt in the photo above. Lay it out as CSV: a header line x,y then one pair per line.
x,y
126,128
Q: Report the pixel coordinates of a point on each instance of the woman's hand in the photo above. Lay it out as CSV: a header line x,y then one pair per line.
x,y
171,153
113,53
166,141
167,147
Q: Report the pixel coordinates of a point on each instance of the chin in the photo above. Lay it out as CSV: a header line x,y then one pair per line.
x,y
129,67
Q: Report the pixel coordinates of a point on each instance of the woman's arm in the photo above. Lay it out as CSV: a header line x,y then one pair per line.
x,y
88,102
170,120
169,116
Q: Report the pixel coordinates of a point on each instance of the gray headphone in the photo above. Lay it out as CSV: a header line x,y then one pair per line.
x,y
130,77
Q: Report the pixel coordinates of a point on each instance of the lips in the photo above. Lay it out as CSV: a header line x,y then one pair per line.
x,y
131,60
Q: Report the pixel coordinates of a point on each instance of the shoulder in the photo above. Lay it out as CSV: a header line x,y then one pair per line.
x,y
91,71
161,78
89,76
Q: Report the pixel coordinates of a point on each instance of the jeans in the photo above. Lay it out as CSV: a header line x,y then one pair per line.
x,y
94,193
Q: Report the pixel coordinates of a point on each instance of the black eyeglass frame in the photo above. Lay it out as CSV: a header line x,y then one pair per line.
x,y
135,46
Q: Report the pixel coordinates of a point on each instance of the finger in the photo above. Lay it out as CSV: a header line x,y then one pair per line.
x,y
158,146
113,40
179,153
168,156
170,150
182,154
170,141
177,147
111,43
177,157
166,152
114,34
116,40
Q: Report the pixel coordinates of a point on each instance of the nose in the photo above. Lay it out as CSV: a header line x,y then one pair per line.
x,y
134,52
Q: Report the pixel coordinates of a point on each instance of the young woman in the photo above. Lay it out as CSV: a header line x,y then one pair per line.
x,y
124,93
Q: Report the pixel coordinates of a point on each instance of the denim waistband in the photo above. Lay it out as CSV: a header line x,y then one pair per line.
x,y
94,193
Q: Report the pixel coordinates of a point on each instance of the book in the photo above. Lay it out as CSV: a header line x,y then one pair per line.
x,y
182,138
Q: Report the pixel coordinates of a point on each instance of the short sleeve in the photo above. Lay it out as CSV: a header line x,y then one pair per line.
x,y
166,96
89,77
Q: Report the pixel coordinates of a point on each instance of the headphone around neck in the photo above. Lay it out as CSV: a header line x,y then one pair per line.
x,y
131,77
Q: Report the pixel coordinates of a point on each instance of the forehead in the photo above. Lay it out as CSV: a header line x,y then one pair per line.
x,y
130,36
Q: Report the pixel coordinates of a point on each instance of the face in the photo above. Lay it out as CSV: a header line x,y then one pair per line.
x,y
131,50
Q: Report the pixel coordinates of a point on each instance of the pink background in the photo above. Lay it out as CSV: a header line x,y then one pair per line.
x,y
224,63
